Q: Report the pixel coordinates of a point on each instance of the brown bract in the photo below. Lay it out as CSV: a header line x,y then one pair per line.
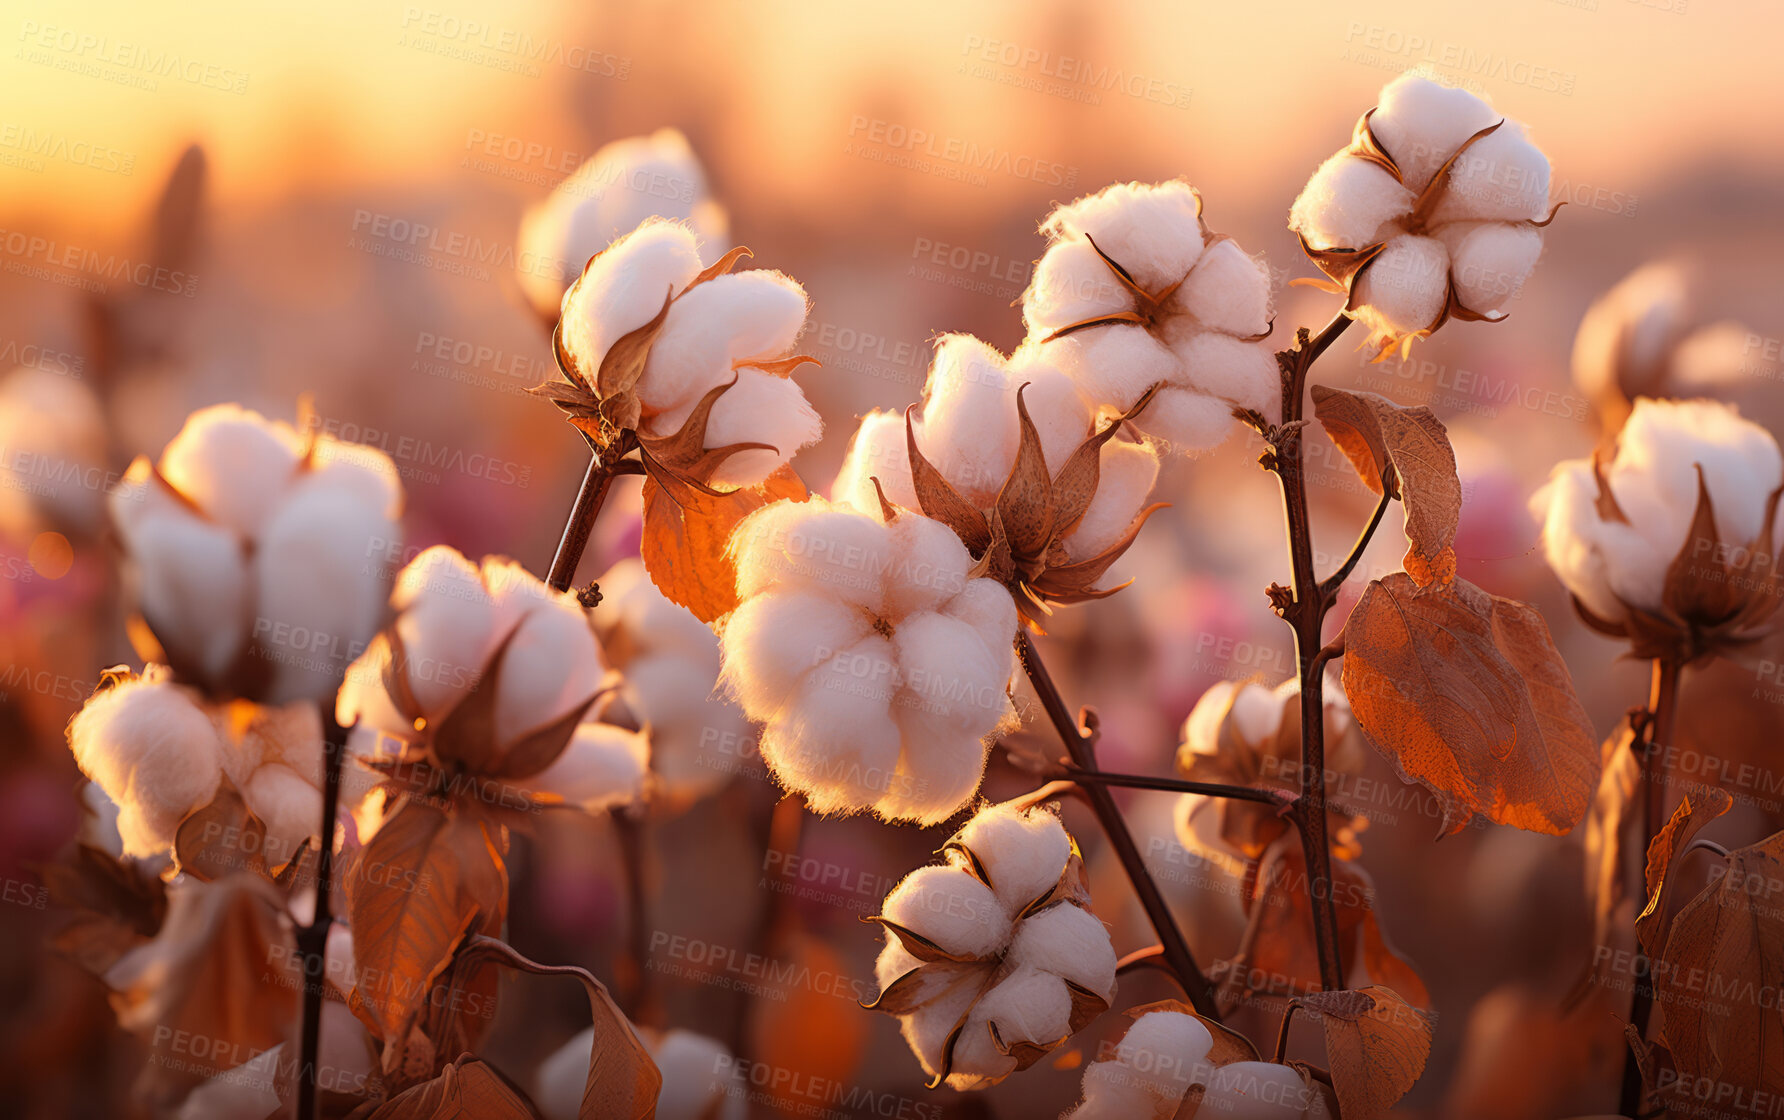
x,y
1345,264
1718,598
942,972
1019,540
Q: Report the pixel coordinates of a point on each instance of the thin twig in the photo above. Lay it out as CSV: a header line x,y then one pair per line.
x,y
1275,798
1331,584
1079,745
312,940
1663,704
589,498
636,996
1288,1017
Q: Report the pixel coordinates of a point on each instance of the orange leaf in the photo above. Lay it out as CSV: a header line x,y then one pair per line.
x,y
686,533
1609,840
466,1088
1700,807
1465,692
1376,1045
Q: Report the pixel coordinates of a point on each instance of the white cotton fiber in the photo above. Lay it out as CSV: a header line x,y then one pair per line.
x,y
1114,365
951,908
447,624
602,766
986,606
192,586
1152,230
1187,422
1127,472
878,449
1201,730
290,807
1346,201
760,408
1625,336
926,1029
835,740
969,416
233,463
624,288
1024,852
700,1080
1026,1006
1168,1052
753,314
952,688
358,472
652,623
553,662
1501,177
773,640
1071,283
1228,291
1069,942
1574,540
1257,712
1061,415
1256,1091
155,754
835,550
1421,123
561,1078
935,779
1489,261
929,565
1402,290
1114,1092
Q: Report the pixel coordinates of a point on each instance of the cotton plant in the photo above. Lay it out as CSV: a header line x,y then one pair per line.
x,y
702,1080
1434,211
994,957
611,193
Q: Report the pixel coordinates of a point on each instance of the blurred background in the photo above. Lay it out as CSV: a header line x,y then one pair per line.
x,y
208,202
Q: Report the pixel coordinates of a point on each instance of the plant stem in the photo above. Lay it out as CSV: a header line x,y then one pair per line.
x,y
1663,703
1288,1016
1306,613
636,995
1082,749
1178,785
312,940
595,483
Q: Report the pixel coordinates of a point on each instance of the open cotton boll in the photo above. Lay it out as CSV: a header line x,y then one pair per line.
x,y
835,740
290,807
1113,365
231,462
652,623
624,288
935,778
760,408
1662,444
601,767
951,684
1573,541
1228,290
1167,1051
727,320
155,754
1239,372
1402,290
1186,421
1201,730
986,606
1026,1006
951,908
553,662
1257,712
447,626
927,1029
772,641
1501,177
1069,942
1256,1091
1126,474
1024,852
1624,339
99,821
191,586
929,565
879,450
970,428
1153,229
1490,261
1421,123
1071,284
1346,201
1114,1092
811,544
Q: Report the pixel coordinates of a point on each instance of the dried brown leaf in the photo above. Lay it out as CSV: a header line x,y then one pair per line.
x,y
1700,807
687,534
113,906
469,1087
1376,1045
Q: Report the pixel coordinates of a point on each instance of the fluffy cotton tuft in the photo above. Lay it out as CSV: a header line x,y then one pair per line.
x,y
1023,851
701,1081
154,751
1257,1091
602,766
1347,201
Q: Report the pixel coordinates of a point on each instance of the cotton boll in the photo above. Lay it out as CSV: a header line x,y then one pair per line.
x,y
1624,339
1126,474
360,472
1068,942
1114,1092
1024,852
929,566
1501,177
561,1078
319,595
760,408
1242,373
811,545
447,626
99,821
771,641
191,586
652,623
1654,475
1402,290
935,779
154,752
755,314
951,908
1168,1052
1256,1091
1061,416
700,1079
689,724
951,684
601,767
926,1029
232,463
1490,261
1346,201
879,449
553,662
1026,1006
836,740
290,807
986,606
970,428
1228,291
1201,730
1071,284
1257,712
624,288
1187,422
1152,230
1421,123
1113,365
1573,538
1716,359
